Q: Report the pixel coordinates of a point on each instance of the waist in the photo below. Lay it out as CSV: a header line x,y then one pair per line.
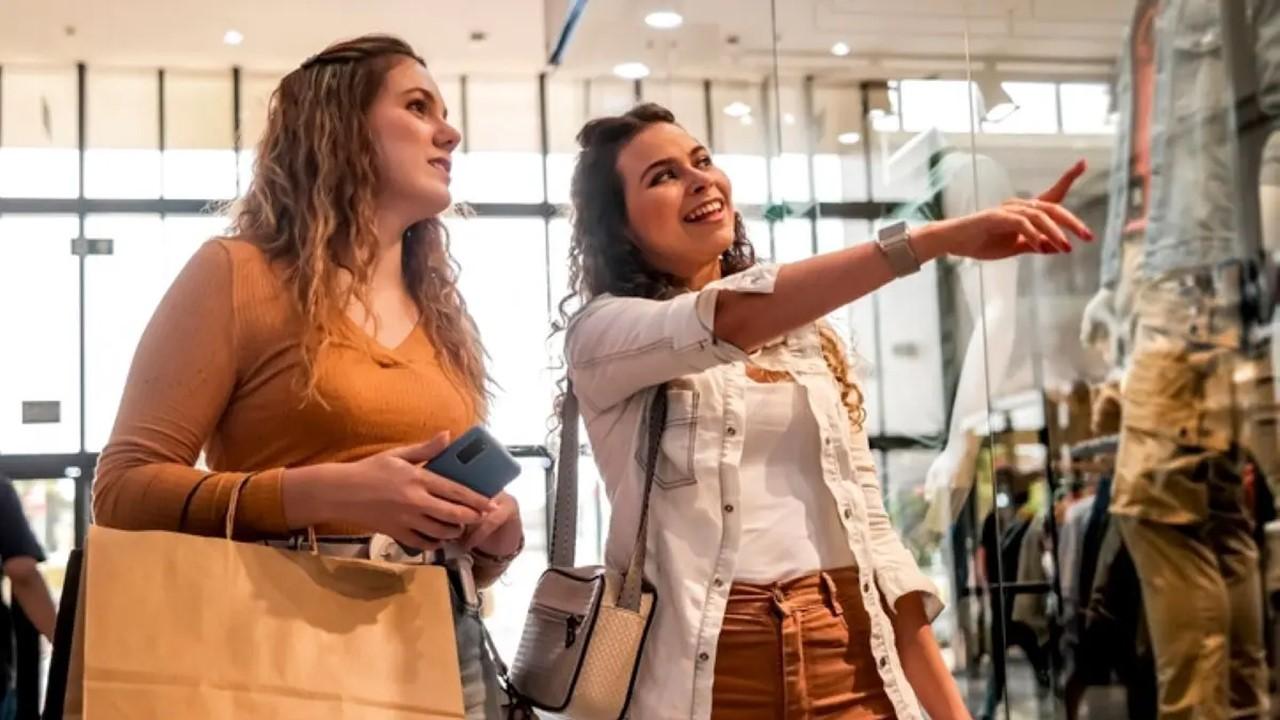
x,y
815,590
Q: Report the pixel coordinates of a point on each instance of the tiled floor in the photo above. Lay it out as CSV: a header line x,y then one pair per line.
x,y
1026,702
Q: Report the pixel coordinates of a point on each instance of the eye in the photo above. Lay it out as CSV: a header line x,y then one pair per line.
x,y
662,176
419,107
702,162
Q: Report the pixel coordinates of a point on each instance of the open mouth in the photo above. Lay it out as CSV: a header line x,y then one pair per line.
x,y
445,165
708,211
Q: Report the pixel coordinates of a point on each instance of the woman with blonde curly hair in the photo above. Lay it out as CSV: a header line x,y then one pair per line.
x,y
321,353
782,590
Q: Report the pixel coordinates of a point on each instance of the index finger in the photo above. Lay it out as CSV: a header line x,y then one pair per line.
x,y
1060,189
456,492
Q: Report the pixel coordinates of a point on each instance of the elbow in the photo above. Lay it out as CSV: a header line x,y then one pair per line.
x,y
106,493
735,322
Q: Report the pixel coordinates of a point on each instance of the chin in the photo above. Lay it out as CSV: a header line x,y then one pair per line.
x,y
435,200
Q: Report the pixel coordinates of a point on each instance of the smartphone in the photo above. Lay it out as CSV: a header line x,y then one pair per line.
x,y
478,461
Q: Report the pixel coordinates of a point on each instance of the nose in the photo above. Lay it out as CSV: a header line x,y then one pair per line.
x,y
447,137
699,182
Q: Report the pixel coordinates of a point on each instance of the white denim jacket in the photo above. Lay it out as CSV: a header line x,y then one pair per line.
x,y
619,349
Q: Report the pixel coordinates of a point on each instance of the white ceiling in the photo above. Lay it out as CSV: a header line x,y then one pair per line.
x,y
278,34
888,37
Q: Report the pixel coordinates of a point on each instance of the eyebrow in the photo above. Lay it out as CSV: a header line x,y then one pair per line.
x,y
669,160
432,100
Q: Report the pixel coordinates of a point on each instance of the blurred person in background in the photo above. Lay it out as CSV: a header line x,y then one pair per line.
x,y
322,353
20,556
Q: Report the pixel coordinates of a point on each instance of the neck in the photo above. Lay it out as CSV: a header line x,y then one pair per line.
x,y
705,276
388,266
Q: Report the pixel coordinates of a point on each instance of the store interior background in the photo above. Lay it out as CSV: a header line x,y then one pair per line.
x,y
124,126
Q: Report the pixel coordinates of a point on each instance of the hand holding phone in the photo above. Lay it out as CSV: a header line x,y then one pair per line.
x,y
477,461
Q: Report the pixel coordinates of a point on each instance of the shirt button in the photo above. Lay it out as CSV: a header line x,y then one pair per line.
x,y
718,582
728,508
884,663
866,587
703,657
848,514
731,431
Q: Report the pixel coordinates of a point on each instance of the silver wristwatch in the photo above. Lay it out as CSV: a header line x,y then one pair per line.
x,y
895,243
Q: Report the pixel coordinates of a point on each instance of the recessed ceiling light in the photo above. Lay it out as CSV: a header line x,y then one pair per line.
x,y
840,49
788,119
232,37
664,20
737,109
631,70
848,138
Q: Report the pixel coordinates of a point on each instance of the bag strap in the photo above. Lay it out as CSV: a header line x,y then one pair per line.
x,y
633,583
565,521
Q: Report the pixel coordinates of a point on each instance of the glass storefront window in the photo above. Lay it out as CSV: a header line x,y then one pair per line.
x,y
123,158
40,321
38,133
503,162
122,291
504,280
199,156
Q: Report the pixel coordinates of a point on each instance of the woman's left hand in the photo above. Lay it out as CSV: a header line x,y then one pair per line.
x,y
1017,227
499,532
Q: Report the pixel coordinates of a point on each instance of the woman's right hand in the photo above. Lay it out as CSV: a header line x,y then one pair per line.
x,y
388,493
1017,227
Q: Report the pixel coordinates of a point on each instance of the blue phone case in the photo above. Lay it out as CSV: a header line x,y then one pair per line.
x,y
478,461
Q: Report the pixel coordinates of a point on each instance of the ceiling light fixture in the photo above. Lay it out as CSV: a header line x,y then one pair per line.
x,y
233,37
737,109
996,104
664,20
631,70
841,49
746,120
849,138
788,119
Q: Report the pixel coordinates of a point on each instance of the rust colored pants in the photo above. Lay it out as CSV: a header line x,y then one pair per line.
x,y
798,649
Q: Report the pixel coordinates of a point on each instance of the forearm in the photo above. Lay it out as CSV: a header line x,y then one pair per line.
x,y
810,289
923,664
32,595
137,495
307,495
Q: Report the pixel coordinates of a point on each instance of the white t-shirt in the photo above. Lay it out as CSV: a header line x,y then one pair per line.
x,y
790,525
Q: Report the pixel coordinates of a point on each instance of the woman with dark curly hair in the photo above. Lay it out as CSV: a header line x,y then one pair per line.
x,y
782,590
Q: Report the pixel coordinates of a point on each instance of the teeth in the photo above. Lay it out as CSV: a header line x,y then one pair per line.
x,y
704,210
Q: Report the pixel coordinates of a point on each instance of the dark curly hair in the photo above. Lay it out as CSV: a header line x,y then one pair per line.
x,y
603,255
604,258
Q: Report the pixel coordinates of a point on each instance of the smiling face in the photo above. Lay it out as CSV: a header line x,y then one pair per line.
x,y
415,142
679,204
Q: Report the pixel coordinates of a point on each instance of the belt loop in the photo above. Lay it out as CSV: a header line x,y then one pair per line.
x,y
780,607
831,596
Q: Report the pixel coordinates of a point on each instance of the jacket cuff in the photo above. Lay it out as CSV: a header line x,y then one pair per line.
x,y
897,584
758,280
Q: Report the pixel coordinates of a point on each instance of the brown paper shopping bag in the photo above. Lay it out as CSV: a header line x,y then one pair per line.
x,y
179,626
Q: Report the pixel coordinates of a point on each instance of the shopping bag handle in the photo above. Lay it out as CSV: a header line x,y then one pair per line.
x,y
233,503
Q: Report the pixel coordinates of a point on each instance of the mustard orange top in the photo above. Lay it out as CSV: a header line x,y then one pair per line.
x,y
219,368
